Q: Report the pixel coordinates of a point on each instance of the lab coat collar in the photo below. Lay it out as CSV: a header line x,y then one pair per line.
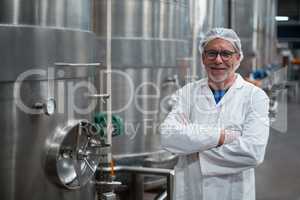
x,y
238,83
206,91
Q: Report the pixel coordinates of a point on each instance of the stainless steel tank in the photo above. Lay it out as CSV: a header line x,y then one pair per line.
x,y
148,39
266,32
208,14
254,21
243,22
38,98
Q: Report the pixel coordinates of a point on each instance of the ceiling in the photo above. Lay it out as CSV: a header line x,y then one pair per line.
x,y
289,31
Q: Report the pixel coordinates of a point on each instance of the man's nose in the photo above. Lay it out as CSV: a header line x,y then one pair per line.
x,y
219,59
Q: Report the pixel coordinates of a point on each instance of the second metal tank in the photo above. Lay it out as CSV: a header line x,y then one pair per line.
x,y
148,39
254,21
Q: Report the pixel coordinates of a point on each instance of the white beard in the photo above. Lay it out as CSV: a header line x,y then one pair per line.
x,y
222,78
218,79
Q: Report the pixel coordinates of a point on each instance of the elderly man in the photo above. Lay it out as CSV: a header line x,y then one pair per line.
x,y
218,126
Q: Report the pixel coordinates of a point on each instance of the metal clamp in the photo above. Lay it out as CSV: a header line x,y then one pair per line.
x,y
102,97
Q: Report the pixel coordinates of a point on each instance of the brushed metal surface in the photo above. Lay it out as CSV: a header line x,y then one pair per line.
x,y
24,138
57,13
34,47
71,154
144,33
35,35
142,106
254,21
148,38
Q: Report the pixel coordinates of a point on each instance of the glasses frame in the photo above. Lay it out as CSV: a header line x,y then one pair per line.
x,y
221,53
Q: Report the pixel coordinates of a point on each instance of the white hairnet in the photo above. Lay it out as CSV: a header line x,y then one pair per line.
x,y
225,34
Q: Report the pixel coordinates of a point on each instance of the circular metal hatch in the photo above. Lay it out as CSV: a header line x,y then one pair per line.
x,y
74,154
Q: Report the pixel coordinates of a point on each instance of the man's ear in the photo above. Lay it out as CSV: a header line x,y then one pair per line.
x,y
238,56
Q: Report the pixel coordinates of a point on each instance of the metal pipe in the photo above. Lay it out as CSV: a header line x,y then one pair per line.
x,y
99,96
138,169
229,13
194,27
63,64
255,33
108,63
162,196
134,155
150,171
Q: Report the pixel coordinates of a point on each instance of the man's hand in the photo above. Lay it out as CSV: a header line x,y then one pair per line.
x,y
228,136
222,138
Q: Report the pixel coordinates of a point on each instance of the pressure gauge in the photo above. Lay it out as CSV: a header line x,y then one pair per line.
x,y
49,106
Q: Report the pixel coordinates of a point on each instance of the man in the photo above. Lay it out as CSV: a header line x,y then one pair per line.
x,y
218,126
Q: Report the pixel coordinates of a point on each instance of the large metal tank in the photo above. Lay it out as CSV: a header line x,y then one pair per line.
x,y
208,14
254,21
265,29
38,98
149,38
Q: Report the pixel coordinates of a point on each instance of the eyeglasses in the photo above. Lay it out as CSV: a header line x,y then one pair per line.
x,y
213,54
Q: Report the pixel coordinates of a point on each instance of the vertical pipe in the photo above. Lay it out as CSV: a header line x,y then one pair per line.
x,y
108,63
138,186
170,179
255,32
298,8
194,27
229,13
16,11
93,21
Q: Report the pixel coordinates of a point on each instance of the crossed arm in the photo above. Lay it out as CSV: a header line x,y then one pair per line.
x,y
180,136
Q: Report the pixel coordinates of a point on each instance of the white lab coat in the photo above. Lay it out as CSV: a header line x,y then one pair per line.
x,y
193,127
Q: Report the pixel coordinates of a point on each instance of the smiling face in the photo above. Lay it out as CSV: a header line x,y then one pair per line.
x,y
220,60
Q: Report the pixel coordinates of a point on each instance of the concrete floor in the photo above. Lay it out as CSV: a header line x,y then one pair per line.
x,y
278,178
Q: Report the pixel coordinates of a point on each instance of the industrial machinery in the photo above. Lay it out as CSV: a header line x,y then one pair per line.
x,y
254,21
148,41
55,79
47,138
147,37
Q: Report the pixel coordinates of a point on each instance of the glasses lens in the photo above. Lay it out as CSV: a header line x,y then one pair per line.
x,y
226,55
212,54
